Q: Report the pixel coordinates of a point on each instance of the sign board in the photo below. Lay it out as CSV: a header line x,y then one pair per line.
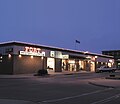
x,y
65,56
52,53
32,51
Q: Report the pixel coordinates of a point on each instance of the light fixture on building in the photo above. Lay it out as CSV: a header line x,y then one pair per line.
x,y
42,57
32,57
1,58
96,56
111,61
20,56
9,55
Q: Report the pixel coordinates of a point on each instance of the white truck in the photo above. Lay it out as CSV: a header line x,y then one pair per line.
x,y
105,69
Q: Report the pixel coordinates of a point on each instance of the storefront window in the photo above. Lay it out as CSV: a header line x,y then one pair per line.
x,y
64,62
81,65
50,63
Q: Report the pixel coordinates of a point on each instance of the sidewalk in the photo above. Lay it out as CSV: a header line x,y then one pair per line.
x,y
51,73
67,72
103,82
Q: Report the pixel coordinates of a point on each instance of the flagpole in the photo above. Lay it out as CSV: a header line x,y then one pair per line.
x,y
75,45
76,41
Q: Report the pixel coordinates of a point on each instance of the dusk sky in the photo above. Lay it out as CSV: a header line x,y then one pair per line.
x,y
95,23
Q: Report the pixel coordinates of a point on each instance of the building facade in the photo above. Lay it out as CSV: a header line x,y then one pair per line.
x,y
115,54
23,58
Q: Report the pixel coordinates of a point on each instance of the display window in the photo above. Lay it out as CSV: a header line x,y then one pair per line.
x,y
51,63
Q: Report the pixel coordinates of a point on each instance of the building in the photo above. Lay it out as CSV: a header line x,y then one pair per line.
x,y
115,54
22,58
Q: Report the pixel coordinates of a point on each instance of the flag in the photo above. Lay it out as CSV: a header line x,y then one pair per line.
x,y
77,41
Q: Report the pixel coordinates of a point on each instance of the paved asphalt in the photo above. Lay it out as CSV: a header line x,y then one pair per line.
x,y
61,89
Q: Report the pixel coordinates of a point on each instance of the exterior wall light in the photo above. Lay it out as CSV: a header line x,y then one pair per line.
x,y
42,57
32,57
9,55
111,61
96,56
20,56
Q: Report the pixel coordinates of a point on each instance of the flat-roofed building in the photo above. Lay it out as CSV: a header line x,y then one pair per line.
x,y
115,54
21,58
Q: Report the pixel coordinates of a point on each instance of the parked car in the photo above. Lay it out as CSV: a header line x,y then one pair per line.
x,y
105,69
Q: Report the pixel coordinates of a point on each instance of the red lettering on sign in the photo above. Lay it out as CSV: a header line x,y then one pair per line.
x,y
30,49
26,49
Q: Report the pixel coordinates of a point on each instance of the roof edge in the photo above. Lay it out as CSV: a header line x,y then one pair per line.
x,y
52,47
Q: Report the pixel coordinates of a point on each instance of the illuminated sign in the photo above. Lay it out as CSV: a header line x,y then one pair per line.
x,y
88,57
65,56
32,51
52,53
71,61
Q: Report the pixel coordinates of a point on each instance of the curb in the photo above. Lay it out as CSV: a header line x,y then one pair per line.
x,y
115,78
100,85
